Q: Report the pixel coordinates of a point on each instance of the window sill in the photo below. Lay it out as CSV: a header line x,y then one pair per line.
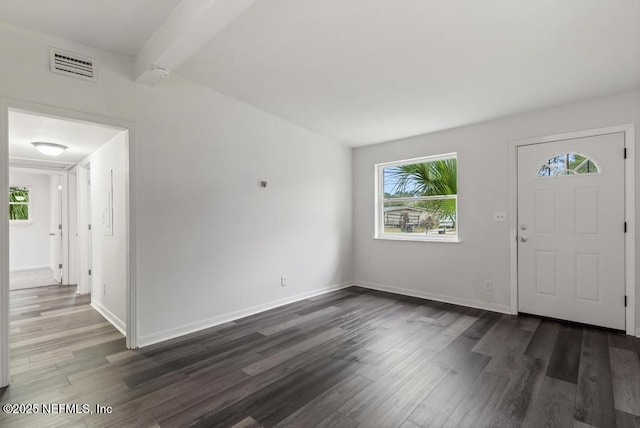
x,y
20,223
452,240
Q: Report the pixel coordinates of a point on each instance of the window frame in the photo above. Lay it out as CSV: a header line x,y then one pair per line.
x,y
28,220
586,157
379,232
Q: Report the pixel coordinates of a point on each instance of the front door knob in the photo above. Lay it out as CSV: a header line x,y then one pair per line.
x,y
523,239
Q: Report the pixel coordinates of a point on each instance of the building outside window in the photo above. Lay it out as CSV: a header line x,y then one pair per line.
x,y
417,199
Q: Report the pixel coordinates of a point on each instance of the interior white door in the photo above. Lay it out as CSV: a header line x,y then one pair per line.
x,y
571,230
56,246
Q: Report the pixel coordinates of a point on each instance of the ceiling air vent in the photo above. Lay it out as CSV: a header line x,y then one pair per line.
x,y
71,64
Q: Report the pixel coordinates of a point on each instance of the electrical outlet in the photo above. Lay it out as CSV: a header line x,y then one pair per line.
x,y
488,284
500,216
283,281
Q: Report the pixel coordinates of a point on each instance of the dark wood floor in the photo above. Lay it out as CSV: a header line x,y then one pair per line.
x,y
346,359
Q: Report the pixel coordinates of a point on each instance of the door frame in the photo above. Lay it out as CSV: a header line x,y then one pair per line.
x,y
6,104
84,233
64,219
629,202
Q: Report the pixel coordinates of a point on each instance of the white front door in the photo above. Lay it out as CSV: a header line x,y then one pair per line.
x,y
571,230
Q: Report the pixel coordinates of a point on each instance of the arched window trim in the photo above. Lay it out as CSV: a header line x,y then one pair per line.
x,y
554,171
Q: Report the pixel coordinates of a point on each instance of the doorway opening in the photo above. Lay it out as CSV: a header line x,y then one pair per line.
x,y
67,217
36,235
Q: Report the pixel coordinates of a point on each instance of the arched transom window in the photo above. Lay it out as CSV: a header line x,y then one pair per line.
x,y
568,164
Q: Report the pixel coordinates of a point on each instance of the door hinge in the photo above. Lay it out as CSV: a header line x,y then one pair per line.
x,y
625,227
59,227
89,227
625,152
625,301
60,266
89,271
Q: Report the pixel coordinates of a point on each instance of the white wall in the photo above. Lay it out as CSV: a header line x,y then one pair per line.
x,y
29,242
25,75
456,271
229,254
211,241
109,250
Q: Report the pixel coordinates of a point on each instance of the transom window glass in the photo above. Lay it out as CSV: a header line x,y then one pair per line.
x,y
418,199
568,164
19,203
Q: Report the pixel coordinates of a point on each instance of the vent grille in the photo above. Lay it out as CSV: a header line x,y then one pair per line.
x,y
40,164
71,64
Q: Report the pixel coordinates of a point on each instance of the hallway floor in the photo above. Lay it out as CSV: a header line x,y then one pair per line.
x,y
19,280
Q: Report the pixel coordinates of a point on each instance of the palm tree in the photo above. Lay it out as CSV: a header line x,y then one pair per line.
x,y
435,178
18,207
426,179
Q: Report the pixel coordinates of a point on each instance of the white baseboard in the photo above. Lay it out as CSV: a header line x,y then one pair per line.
x,y
23,268
109,316
494,307
161,336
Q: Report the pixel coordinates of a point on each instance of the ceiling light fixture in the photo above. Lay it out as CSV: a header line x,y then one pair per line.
x,y
50,149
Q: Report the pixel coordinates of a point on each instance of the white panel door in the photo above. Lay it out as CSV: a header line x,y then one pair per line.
x,y
571,230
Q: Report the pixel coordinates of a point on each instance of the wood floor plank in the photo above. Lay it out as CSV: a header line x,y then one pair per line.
x,y
484,396
395,410
553,406
365,403
519,394
627,420
316,411
337,420
594,399
484,323
293,391
625,370
621,341
343,359
247,422
564,362
543,340
506,359
437,407
494,338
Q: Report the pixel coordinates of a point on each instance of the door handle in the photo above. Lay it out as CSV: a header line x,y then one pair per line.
x,y
523,239
52,234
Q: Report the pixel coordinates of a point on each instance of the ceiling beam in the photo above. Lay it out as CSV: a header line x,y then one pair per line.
x,y
191,24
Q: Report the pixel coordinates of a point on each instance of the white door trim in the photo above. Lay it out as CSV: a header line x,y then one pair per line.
x,y
132,306
630,242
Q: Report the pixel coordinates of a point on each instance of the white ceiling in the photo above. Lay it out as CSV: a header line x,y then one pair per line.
x,y
366,71
121,26
81,138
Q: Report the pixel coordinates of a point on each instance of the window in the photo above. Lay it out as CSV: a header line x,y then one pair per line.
x,y
18,203
568,164
417,199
